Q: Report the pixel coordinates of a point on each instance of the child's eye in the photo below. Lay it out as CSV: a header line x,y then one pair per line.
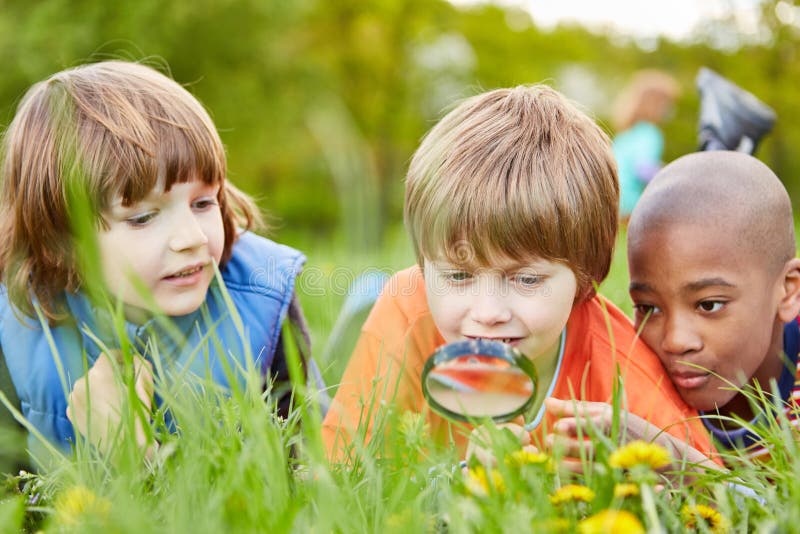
x,y
205,203
141,219
457,276
711,306
527,279
644,311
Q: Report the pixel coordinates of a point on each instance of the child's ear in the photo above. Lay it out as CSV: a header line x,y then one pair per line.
x,y
789,306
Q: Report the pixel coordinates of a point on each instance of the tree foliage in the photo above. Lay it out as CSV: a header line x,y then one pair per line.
x,y
321,104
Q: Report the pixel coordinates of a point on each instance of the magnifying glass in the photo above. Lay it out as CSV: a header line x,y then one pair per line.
x,y
477,379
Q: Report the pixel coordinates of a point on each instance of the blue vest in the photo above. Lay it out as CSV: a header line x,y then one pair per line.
x,y
259,279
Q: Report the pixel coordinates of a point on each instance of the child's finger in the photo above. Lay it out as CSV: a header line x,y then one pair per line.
x,y
570,447
484,456
581,426
479,447
564,408
566,426
114,354
573,465
480,442
482,436
103,365
519,431
143,371
75,400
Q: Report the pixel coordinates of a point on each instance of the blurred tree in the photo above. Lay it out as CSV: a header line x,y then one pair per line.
x,y
366,54
321,104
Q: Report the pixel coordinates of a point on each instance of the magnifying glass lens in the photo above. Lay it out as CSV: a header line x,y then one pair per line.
x,y
478,379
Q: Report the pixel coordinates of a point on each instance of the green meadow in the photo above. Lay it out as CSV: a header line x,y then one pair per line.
x,y
231,464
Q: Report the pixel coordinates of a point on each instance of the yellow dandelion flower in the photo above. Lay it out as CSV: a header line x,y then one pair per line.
x,y
624,490
714,520
616,521
77,502
523,457
571,493
640,453
478,482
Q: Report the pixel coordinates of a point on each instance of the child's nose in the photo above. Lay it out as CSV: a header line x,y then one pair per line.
x,y
680,337
489,310
187,234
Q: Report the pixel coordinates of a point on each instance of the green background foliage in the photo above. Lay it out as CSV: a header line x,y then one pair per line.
x,y
321,104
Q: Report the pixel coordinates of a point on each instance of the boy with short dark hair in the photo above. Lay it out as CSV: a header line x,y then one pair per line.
x,y
716,286
716,290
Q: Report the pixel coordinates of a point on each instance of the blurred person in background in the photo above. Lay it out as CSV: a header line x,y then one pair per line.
x,y
639,144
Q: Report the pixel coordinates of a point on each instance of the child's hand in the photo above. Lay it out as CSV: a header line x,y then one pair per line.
x,y
575,419
480,442
598,417
102,389
583,417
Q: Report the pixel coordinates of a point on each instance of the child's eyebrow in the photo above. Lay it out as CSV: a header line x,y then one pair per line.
x,y
639,286
698,285
708,282
523,268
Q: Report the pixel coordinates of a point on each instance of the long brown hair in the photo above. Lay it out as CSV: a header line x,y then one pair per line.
x,y
124,127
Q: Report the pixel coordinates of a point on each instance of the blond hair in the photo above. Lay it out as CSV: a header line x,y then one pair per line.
x,y
125,127
646,98
520,173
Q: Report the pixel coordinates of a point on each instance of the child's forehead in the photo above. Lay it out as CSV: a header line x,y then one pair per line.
x,y
462,258
161,187
691,230
696,256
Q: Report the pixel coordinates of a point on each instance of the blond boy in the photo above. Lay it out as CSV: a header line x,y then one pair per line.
x,y
511,204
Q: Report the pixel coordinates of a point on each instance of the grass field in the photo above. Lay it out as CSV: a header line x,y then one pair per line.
x,y
234,466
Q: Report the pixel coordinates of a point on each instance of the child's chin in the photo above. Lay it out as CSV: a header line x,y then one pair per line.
x,y
178,311
704,406
180,307
704,403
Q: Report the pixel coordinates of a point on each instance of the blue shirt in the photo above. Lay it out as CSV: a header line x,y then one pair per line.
x,y
638,151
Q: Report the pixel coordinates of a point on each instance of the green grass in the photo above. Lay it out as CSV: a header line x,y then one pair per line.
x,y
234,466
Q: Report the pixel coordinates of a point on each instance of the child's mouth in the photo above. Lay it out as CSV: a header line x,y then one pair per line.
x,y
507,340
690,380
186,273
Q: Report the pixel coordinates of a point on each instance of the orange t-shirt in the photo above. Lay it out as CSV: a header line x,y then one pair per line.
x,y
399,335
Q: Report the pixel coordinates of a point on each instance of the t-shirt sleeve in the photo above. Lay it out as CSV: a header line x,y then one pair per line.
x,y
374,382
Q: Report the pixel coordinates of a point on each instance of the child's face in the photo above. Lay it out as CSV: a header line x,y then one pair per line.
x,y
525,305
706,308
167,242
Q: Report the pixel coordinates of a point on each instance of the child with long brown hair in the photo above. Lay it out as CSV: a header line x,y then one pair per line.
x,y
129,150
